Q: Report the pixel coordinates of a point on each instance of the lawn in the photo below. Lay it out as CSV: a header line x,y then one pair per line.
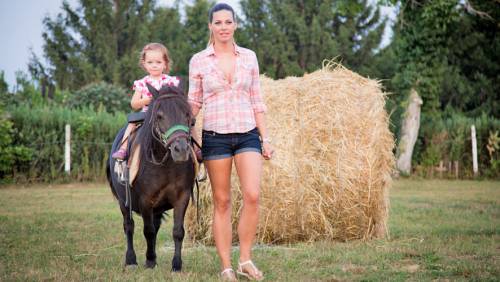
x,y
439,230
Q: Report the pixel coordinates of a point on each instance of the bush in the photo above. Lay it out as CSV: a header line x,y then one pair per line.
x,y
11,155
450,140
42,129
112,98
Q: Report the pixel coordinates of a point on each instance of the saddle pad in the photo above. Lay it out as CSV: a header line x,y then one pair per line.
x,y
134,162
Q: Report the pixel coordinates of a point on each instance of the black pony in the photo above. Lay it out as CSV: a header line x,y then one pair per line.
x,y
166,175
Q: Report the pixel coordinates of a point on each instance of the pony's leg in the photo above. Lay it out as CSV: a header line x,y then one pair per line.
x,y
157,222
178,230
150,235
128,228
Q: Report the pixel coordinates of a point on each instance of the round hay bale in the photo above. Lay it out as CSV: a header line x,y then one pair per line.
x,y
331,172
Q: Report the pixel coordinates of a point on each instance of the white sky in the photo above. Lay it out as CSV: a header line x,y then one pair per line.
x,y
21,30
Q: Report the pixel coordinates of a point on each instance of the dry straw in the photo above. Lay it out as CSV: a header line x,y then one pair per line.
x,y
330,176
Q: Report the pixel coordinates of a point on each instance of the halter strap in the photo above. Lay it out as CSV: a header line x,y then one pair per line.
x,y
173,129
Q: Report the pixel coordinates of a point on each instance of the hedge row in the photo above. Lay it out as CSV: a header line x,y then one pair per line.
x,y
42,130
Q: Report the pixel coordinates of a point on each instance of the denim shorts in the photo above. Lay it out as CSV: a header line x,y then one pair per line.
x,y
217,146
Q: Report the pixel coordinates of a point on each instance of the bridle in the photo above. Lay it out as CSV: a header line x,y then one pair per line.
x,y
173,133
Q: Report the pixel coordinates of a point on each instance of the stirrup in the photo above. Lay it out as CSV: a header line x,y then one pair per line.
x,y
257,274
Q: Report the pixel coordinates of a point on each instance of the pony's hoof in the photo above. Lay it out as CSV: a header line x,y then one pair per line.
x,y
176,270
176,265
150,264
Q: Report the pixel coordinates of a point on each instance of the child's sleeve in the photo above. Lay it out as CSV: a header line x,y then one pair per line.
x,y
139,86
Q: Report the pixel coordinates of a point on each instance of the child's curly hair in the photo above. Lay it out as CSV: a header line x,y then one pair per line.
x,y
157,47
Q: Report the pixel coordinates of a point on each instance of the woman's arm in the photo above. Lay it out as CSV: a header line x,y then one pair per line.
x,y
195,93
260,109
267,148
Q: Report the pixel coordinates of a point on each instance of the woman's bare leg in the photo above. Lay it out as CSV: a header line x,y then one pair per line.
x,y
219,172
249,168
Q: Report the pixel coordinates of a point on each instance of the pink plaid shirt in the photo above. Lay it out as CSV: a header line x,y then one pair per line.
x,y
140,85
229,108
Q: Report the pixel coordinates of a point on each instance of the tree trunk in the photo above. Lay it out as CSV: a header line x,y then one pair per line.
x,y
409,133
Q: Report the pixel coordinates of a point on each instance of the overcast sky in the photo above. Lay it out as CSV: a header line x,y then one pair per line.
x,y
21,30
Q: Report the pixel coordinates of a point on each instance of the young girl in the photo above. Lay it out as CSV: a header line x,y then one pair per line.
x,y
156,62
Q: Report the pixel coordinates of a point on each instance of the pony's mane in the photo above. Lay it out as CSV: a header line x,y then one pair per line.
x,y
176,110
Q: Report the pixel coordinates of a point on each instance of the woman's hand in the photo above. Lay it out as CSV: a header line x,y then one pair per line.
x,y
267,150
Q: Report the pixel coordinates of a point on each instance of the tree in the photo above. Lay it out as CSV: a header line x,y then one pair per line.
x,y
166,27
4,87
473,84
423,34
293,37
196,25
96,41
451,78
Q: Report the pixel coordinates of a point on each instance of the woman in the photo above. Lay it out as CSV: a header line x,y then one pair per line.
x,y
224,79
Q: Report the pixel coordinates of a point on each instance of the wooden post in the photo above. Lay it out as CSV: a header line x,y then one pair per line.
x,y
449,169
456,169
67,149
441,168
411,125
474,150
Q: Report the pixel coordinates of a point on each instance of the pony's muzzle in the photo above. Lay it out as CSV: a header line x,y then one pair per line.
x,y
180,150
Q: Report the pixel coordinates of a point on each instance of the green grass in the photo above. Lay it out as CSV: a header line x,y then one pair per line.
x,y
440,230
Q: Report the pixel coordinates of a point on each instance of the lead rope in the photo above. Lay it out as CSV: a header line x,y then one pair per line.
x,y
197,202
197,184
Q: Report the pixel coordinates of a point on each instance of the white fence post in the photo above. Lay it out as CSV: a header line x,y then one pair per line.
x,y
474,150
67,149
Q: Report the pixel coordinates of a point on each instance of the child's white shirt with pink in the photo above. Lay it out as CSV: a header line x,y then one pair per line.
x,y
140,85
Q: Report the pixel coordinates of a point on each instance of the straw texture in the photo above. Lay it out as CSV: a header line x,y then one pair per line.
x,y
331,173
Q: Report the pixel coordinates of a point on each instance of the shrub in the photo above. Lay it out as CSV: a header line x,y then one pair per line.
x,y
11,155
42,129
101,94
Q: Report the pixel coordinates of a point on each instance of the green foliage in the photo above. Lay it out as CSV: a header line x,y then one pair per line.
x,y
444,73
12,155
42,129
196,26
458,83
493,148
447,50
111,97
451,141
422,49
99,40
4,87
166,27
473,83
292,37
27,93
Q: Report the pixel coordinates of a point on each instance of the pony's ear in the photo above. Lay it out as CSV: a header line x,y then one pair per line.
x,y
181,84
152,90
170,89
